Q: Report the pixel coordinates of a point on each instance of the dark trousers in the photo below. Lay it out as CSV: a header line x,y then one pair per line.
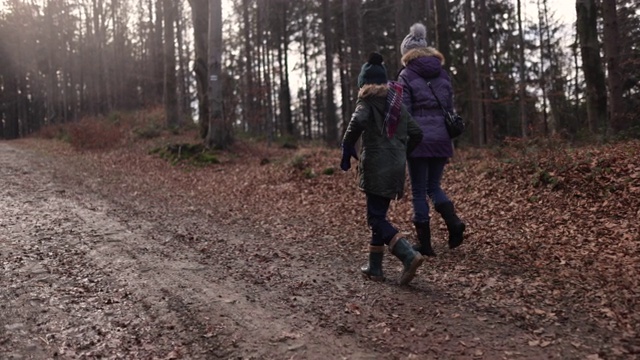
x,y
426,175
381,230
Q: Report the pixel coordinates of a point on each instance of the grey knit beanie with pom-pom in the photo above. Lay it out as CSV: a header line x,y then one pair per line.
x,y
417,38
373,71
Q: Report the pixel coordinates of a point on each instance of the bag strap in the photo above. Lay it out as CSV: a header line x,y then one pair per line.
x,y
445,112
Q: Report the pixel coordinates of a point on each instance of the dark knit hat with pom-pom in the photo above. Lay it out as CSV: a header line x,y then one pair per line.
x,y
373,71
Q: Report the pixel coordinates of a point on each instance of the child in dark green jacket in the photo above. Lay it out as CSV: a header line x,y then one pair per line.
x,y
388,133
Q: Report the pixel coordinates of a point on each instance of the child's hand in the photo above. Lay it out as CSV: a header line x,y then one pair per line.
x,y
348,151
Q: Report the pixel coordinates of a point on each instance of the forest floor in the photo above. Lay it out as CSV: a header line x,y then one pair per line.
x,y
121,254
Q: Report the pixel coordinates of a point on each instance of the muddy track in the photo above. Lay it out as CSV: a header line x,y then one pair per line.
x,y
93,267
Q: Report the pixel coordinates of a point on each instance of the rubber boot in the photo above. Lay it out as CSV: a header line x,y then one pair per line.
x,y
454,224
424,239
373,270
411,259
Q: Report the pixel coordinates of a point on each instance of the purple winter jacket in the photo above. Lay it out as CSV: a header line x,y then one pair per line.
x,y
422,66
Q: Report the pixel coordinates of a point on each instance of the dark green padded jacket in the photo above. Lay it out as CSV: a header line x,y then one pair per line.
x,y
382,164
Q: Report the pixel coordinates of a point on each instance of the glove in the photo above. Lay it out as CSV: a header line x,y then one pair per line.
x,y
348,151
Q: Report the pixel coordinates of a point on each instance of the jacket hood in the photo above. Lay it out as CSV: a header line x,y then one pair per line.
x,y
422,52
427,62
373,90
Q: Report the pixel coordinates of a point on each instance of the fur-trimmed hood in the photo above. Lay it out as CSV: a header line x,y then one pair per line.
x,y
373,90
425,62
422,52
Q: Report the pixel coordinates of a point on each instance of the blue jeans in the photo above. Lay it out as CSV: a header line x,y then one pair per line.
x,y
381,229
426,174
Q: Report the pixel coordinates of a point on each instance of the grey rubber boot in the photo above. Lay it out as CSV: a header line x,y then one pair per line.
x,y
373,270
411,259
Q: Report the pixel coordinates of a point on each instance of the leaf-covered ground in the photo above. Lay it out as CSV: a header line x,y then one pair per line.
x,y
550,267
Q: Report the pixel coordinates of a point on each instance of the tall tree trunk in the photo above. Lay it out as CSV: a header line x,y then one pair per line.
x,y
307,78
487,96
355,57
285,92
158,60
612,53
587,20
345,73
183,71
542,73
248,111
199,12
474,91
442,28
170,81
330,113
522,82
403,24
219,134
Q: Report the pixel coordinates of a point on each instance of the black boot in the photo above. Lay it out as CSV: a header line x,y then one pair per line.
x,y
454,224
411,259
424,239
373,270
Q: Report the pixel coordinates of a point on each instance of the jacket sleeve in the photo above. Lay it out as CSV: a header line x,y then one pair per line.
x,y
356,124
413,130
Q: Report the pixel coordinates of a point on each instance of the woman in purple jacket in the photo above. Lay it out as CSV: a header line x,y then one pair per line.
x,y
423,64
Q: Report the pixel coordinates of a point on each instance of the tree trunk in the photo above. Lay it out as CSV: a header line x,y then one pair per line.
x,y
199,12
587,20
442,29
522,82
472,71
355,57
184,79
542,76
487,96
285,92
306,110
330,113
248,108
170,81
612,53
219,134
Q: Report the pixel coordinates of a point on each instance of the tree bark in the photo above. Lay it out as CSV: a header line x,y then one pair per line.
x,y
170,81
522,83
219,134
487,97
442,29
199,12
248,108
472,70
612,53
587,20
331,135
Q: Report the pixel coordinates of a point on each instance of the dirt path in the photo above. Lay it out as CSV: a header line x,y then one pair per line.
x,y
94,268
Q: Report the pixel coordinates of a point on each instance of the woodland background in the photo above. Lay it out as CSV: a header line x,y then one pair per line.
x,y
66,60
